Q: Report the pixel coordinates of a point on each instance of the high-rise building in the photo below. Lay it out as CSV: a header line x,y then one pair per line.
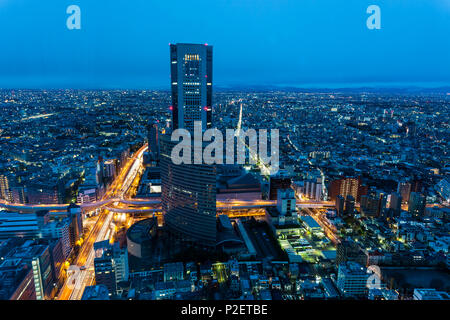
x,y
369,205
111,265
18,194
382,201
188,198
286,202
349,250
313,189
5,192
76,223
59,230
153,140
349,205
42,272
395,203
99,171
281,180
443,188
57,260
188,191
191,74
110,169
105,271
404,189
340,201
416,205
120,257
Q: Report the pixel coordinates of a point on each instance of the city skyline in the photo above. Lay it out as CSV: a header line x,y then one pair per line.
x,y
126,194
304,45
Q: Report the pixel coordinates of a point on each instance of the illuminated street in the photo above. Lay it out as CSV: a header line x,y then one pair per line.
x,y
120,186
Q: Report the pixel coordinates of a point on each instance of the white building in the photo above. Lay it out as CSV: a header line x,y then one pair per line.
x,y
286,202
59,230
313,189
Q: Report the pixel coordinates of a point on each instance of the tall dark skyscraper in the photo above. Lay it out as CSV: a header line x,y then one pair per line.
x,y
188,191
417,204
153,139
191,74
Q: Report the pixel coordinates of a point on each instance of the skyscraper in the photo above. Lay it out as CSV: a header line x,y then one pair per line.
x,y
188,191
5,192
188,196
349,205
404,189
153,139
340,205
191,74
395,203
347,186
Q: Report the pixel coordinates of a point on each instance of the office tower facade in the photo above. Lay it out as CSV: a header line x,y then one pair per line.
x,y
340,201
5,192
110,169
74,215
281,180
404,189
188,191
43,193
41,266
57,260
120,257
99,171
59,230
395,203
153,139
313,189
369,205
105,272
18,195
286,202
23,225
349,250
352,280
191,74
188,198
416,205
382,202
443,188
347,186
349,205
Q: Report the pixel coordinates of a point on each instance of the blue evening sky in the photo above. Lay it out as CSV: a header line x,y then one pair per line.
x,y
310,43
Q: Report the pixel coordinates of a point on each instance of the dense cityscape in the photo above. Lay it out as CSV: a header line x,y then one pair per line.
x,y
222,159
358,210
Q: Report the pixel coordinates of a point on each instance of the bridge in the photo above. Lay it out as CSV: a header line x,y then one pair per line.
x,y
113,204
